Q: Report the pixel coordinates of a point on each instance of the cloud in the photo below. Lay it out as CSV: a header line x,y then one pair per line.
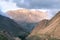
x,y
52,12
46,3
23,3
49,4
7,5
4,14
36,4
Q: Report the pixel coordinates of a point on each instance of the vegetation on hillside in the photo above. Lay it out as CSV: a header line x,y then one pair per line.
x,y
2,37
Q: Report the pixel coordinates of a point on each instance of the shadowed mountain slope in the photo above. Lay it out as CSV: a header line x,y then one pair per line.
x,y
12,28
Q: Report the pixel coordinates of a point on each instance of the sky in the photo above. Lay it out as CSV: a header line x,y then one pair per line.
x,y
52,6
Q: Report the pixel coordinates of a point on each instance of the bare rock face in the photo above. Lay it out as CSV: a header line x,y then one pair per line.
x,y
47,29
25,15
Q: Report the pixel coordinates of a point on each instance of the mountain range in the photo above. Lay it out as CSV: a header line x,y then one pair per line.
x,y
21,23
26,24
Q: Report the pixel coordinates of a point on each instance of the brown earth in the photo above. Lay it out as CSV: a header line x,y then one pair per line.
x,y
50,27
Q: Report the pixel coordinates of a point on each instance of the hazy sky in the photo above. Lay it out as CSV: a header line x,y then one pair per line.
x,y
51,6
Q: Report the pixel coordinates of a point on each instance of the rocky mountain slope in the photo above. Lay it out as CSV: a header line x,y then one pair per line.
x,y
50,27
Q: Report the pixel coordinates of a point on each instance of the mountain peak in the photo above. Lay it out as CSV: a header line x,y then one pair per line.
x,y
26,15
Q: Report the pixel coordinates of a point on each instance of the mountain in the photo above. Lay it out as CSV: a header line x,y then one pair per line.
x,y
47,29
26,15
11,27
26,18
